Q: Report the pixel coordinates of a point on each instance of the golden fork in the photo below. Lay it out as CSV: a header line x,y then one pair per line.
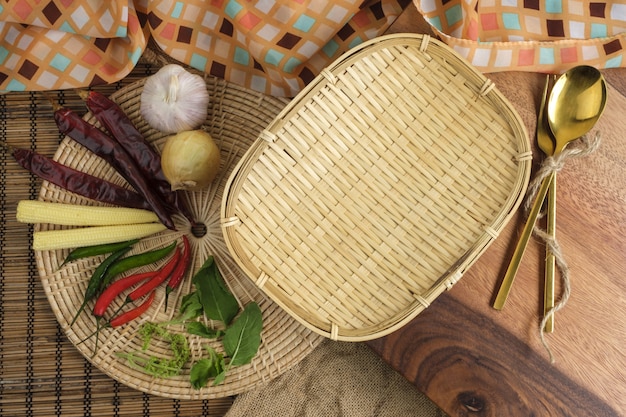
x,y
545,140
546,143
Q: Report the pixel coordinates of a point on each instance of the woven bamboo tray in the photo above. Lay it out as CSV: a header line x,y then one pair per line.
x,y
377,187
235,119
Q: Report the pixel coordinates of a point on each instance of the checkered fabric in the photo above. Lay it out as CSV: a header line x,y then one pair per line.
x,y
103,19
531,35
278,46
272,46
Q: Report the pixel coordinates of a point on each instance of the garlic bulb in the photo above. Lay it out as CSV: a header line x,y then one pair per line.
x,y
174,100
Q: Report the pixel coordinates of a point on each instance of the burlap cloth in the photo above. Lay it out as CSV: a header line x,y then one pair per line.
x,y
336,379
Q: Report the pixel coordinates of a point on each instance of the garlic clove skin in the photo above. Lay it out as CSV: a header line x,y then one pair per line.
x,y
174,100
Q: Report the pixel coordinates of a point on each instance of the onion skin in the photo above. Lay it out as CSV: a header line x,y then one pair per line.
x,y
190,160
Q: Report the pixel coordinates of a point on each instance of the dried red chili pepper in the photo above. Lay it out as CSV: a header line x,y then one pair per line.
x,y
119,125
179,271
124,131
158,279
112,291
75,181
134,313
98,142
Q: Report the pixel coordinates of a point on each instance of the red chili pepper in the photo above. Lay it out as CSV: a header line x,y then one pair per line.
x,y
109,294
78,182
119,125
158,279
179,271
98,142
112,291
134,313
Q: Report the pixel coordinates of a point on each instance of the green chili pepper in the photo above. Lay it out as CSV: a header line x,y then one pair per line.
x,y
135,261
95,282
96,250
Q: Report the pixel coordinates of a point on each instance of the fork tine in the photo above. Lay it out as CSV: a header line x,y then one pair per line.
x,y
543,133
544,100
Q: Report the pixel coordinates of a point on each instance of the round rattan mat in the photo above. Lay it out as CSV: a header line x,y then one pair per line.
x,y
235,118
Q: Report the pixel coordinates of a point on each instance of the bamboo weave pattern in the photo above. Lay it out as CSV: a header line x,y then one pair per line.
x,y
377,187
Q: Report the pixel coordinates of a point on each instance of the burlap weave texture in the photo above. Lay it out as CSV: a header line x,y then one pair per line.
x,y
336,379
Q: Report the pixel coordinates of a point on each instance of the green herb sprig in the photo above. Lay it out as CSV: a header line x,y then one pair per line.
x,y
241,336
157,366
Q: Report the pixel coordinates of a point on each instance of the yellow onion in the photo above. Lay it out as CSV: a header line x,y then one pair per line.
x,y
190,160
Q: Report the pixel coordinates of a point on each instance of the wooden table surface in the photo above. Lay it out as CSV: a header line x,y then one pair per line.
x,y
473,360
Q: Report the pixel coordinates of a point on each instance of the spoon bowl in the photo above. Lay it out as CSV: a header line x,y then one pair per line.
x,y
576,103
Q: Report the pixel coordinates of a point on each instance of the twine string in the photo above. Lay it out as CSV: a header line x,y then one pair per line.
x,y
580,148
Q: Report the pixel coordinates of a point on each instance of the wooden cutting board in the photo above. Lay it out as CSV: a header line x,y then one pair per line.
x,y
469,358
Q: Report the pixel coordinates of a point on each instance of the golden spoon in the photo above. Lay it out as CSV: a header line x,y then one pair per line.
x,y
577,100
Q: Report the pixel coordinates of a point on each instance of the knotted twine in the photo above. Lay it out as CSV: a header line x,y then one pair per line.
x,y
554,164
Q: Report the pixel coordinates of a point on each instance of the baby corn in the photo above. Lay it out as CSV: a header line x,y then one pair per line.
x,y
96,235
34,211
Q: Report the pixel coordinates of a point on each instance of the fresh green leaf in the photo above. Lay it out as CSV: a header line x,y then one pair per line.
x,y
243,338
201,373
206,368
241,343
202,330
219,378
217,301
219,365
190,307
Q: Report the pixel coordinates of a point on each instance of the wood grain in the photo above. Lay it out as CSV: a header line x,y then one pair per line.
x,y
472,360
466,376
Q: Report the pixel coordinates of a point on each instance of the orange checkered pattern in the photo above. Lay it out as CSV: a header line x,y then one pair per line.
x,y
102,19
531,35
278,46
272,46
